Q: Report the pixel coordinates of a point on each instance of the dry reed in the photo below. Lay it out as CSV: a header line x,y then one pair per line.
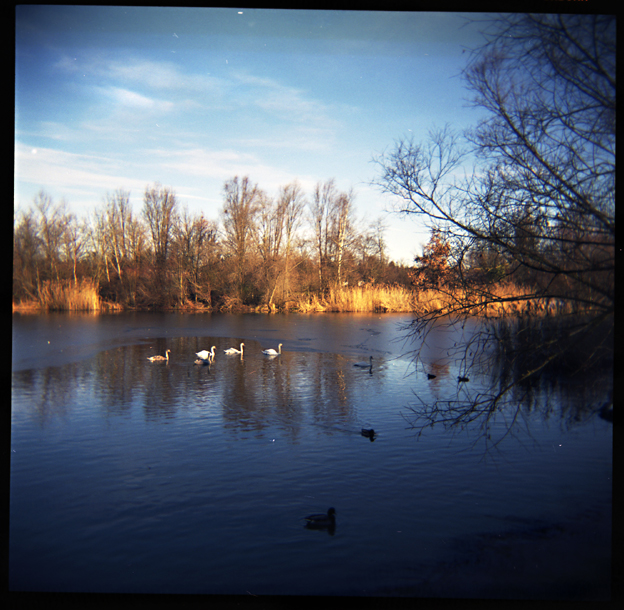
x,y
69,296
359,299
500,301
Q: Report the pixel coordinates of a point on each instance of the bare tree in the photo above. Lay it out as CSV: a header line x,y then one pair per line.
x,y
74,240
291,204
543,197
51,221
277,224
540,201
160,212
26,255
240,210
119,218
322,202
342,229
194,236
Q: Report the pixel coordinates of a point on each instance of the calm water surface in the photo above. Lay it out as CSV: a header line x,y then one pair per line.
x,y
133,476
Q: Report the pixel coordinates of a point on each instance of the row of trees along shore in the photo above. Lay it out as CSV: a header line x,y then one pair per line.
x,y
290,252
531,229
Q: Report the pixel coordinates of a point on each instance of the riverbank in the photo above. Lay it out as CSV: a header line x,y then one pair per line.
x,y
499,301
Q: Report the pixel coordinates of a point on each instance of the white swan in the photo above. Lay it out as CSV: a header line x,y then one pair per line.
x,y
207,355
159,358
272,352
233,350
365,365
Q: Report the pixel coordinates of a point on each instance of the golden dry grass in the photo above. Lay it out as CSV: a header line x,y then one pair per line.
x,y
502,300
359,299
68,296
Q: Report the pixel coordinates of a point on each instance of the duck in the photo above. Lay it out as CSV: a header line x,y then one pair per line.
x,y
431,376
272,352
159,358
462,379
365,365
321,521
233,350
368,433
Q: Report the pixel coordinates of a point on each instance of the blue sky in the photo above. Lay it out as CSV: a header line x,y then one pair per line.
x,y
121,97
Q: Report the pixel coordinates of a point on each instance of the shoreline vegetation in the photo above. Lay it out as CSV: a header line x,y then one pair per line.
x,y
509,300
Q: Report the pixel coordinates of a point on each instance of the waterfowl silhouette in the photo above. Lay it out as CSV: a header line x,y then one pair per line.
x,y
368,434
159,358
233,350
272,352
321,521
365,365
431,376
462,379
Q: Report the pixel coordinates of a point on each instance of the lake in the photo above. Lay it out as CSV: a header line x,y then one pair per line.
x,y
132,476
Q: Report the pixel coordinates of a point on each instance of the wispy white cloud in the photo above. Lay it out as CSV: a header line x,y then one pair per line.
x,y
288,103
54,168
165,76
219,164
132,99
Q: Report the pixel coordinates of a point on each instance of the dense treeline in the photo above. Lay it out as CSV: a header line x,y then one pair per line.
x,y
261,252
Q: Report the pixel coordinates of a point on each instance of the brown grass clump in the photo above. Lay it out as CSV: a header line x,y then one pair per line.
x,y
499,301
69,296
359,299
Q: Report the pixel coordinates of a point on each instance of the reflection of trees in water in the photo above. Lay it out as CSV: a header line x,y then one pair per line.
x,y
286,391
49,392
549,367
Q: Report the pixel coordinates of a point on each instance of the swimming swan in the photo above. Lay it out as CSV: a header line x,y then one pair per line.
x,y
159,358
207,355
365,365
272,352
233,350
321,521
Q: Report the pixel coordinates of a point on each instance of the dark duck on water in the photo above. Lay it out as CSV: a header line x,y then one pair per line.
x,y
321,521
